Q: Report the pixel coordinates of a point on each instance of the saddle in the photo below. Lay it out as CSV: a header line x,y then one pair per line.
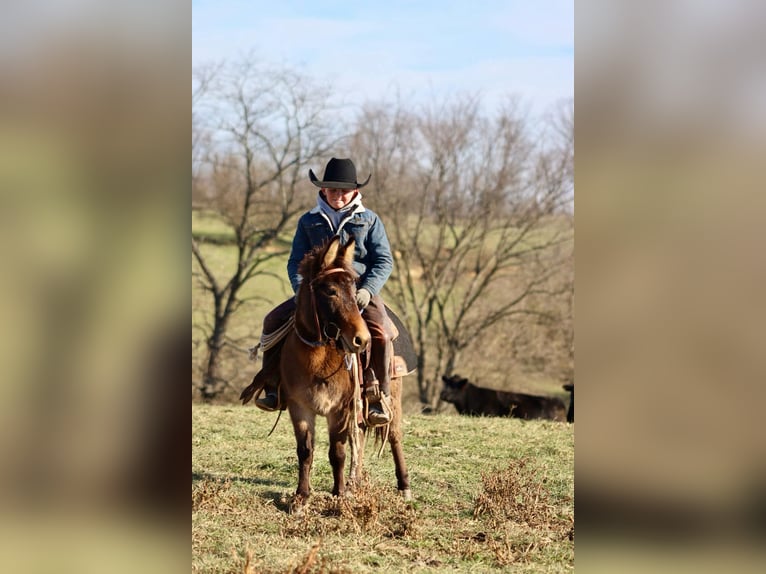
x,y
404,355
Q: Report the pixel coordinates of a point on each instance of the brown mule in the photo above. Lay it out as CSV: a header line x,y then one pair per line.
x,y
315,370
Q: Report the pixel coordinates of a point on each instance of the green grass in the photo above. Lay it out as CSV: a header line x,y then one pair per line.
x,y
491,494
209,226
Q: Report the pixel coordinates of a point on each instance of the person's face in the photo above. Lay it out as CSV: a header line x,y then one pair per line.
x,y
338,198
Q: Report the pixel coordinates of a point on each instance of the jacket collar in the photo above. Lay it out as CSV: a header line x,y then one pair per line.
x,y
358,209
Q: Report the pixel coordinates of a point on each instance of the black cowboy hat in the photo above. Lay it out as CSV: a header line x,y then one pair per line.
x,y
339,174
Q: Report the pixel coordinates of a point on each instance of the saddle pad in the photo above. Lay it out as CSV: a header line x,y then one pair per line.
x,y
403,346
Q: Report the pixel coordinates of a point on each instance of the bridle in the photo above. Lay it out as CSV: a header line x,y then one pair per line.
x,y
323,332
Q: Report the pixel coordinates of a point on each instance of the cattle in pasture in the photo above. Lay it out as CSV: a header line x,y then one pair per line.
x,y
570,411
472,400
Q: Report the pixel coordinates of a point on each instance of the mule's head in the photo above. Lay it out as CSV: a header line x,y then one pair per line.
x,y
328,293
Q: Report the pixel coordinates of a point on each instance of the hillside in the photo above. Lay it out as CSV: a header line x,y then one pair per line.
x,y
490,494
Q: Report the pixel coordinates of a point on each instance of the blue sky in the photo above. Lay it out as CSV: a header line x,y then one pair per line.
x,y
422,49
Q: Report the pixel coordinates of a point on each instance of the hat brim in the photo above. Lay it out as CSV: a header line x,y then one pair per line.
x,y
337,184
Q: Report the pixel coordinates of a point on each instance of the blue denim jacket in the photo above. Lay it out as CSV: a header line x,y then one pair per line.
x,y
372,258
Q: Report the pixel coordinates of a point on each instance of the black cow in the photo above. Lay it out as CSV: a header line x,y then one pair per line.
x,y
570,412
478,401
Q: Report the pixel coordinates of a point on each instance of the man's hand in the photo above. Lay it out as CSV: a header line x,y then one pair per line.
x,y
362,298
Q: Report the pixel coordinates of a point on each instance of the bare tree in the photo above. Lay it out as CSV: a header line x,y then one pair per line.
x,y
471,206
263,127
203,77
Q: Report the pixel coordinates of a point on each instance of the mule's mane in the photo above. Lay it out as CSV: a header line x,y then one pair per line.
x,y
312,263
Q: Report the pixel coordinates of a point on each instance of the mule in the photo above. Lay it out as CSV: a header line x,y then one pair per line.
x,y
319,376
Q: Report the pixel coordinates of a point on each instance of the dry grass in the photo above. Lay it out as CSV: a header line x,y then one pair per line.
x,y
311,563
369,511
518,494
483,502
520,512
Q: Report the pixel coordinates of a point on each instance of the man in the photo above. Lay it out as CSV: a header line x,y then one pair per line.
x,y
339,211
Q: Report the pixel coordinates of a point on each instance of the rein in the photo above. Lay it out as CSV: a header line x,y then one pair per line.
x,y
324,336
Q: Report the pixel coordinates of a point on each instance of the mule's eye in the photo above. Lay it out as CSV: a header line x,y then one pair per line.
x,y
331,291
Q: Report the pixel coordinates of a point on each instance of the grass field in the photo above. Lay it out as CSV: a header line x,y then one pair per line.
x,y
491,494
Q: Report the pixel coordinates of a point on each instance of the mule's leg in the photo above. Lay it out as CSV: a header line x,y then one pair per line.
x,y
402,476
303,425
338,426
395,438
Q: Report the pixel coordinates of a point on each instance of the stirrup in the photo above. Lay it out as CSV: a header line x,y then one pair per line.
x,y
269,402
372,391
380,417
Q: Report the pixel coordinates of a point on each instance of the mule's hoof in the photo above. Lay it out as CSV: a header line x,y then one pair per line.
x,y
406,494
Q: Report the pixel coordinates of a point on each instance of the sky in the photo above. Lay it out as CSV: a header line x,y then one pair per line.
x,y
419,49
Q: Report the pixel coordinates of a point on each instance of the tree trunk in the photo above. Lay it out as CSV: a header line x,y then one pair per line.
x,y
211,379
422,383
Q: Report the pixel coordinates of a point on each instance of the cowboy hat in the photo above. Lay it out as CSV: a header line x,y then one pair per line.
x,y
339,174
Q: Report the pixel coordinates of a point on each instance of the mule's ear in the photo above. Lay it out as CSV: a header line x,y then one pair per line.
x,y
331,253
348,252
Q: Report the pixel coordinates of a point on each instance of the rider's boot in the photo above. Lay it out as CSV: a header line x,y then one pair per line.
x,y
378,399
270,372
